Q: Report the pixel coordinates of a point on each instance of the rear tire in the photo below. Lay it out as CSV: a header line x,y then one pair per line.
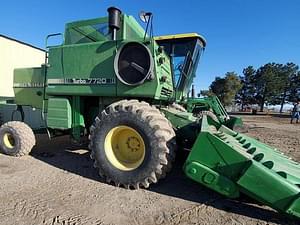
x,y
16,138
149,144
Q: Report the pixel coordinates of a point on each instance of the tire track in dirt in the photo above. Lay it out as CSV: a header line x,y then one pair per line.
x,y
71,220
23,208
41,212
188,216
46,211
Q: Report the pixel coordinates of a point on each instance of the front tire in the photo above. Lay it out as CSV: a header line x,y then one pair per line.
x,y
16,138
132,144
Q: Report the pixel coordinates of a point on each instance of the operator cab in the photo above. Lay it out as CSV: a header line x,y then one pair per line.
x,y
184,51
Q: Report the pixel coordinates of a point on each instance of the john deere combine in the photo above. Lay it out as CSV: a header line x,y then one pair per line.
x,y
123,89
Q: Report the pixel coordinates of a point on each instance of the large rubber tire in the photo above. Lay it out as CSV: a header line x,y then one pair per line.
x,y
16,138
156,132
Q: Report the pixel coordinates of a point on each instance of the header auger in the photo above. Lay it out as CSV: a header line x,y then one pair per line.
x,y
128,92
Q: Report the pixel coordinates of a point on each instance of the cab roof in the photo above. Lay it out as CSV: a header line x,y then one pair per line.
x,y
181,36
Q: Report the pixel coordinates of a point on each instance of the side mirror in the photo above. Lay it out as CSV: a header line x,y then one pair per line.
x,y
145,16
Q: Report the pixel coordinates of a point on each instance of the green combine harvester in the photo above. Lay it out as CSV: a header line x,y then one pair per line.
x,y
115,83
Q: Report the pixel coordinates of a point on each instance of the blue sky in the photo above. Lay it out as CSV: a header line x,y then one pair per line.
x,y
238,32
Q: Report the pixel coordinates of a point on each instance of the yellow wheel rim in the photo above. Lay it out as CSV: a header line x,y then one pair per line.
x,y
8,140
124,148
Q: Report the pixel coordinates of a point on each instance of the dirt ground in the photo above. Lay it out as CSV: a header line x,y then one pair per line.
x,y
56,185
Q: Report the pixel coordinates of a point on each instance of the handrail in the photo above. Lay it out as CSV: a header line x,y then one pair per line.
x,y
52,35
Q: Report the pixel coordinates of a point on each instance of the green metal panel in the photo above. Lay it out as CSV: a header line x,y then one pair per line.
x,y
77,118
294,208
212,179
29,86
59,113
185,124
92,62
177,118
55,62
267,186
131,29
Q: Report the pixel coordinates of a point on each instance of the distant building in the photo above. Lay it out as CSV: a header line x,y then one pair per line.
x,y
16,54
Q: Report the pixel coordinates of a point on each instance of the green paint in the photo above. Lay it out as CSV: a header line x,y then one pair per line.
x,y
212,179
59,114
77,118
178,119
229,163
185,125
29,86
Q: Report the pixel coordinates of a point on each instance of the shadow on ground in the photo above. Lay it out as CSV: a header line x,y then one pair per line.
x,y
176,184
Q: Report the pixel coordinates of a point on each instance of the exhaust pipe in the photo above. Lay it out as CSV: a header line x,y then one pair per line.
x,y
114,21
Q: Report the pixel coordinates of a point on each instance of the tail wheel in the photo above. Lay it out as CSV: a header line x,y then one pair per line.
x,y
16,138
132,144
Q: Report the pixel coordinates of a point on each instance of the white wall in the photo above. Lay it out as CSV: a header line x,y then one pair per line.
x,y
15,55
